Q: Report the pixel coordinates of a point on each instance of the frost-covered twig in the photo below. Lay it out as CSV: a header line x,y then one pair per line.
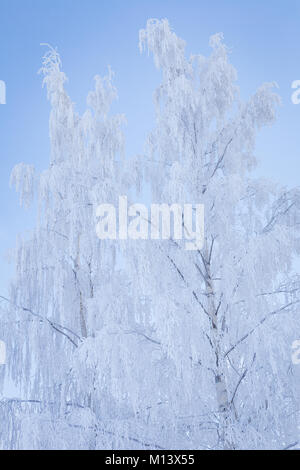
x,y
56,326
238,384
291,446
276,312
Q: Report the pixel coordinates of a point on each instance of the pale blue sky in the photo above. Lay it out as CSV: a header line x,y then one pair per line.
x,y
264,37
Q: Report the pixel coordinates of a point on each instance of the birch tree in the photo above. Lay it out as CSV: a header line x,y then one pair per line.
x,y
229,310
63,267
133,344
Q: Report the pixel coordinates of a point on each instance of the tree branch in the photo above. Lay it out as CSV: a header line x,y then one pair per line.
x,y
56,326
276,312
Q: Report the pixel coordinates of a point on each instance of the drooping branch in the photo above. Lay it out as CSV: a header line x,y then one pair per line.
x,y
56,326
139,333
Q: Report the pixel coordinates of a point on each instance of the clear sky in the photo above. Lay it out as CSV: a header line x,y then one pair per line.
x,y
264,37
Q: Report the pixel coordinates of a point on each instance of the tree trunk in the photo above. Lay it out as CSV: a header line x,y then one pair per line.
x,y
222,395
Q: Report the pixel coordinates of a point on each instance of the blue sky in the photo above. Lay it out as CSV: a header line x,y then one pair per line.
x,y
264,37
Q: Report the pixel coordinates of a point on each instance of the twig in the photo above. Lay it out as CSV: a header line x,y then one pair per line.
x,y
56,326
276,312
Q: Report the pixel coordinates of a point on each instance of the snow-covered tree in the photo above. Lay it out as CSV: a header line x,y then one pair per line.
x,y
225,314
141,343
63,266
